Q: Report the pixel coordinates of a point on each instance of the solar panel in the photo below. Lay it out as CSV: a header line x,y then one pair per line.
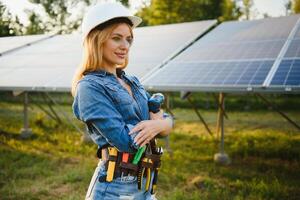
x,y
50,64
239,73
154,45
287,73
10,43
297,34
233,51
294,49
37,66
235,56
31,78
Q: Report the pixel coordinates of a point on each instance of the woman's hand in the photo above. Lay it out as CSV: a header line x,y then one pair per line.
x,y
158,115
147,130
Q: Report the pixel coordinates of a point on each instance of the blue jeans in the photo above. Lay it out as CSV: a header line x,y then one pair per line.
x,y
120,188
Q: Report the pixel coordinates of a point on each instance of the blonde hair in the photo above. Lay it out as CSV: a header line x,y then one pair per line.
x,y
93,53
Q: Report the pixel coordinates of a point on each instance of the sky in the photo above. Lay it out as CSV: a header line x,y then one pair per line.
x,y
273,8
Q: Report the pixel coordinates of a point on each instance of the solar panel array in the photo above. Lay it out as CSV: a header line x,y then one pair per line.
x,y
261,55
234,57
50,64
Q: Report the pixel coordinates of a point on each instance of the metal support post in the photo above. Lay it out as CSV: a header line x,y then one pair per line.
x,y
200,116
167,106
277,110
26,132
45,96
219,106
85,136
221,157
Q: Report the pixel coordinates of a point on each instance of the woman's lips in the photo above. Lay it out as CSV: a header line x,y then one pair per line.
x,y
120,55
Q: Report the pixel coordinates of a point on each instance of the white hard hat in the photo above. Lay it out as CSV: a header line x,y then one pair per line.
x,y
103,12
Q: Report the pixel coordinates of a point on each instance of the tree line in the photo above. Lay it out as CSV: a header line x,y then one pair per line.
x,y
65,16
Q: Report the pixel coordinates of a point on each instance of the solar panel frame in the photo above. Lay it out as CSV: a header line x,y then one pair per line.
x,y
12,43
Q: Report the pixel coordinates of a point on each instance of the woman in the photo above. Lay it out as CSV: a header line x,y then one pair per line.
x,y
113,105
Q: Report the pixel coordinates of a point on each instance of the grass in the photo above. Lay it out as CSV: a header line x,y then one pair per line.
x,y
55,164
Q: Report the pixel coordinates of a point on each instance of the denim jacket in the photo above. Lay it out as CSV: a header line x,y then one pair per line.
x,y
108,110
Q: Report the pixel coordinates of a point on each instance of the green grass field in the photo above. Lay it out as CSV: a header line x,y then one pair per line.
x,y
55,164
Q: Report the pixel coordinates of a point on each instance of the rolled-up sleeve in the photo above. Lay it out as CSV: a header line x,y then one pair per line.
x,y
94,106
165,115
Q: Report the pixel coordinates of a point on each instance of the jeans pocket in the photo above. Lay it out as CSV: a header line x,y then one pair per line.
x,y
92,184
126,197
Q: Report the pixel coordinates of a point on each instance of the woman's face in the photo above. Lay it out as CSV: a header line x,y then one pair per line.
x,y
116,48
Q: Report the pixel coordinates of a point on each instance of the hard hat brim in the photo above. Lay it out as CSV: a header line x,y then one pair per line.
x,y
135,20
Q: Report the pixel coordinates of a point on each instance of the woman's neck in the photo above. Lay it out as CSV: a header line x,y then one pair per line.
x,y
111,69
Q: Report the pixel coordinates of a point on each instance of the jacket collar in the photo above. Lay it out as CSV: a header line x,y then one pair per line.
x,y
102,73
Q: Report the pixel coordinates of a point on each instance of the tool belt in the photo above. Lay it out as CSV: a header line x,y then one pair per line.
x,y
144,165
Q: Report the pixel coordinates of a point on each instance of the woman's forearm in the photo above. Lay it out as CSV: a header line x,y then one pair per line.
x,y
167,125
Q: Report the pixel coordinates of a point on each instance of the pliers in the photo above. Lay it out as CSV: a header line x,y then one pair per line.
x,y
146,166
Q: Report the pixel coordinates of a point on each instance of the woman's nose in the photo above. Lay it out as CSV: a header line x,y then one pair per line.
x,y
125,44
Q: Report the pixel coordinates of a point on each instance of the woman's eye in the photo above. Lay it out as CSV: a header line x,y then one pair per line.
x,y
116,38
130,40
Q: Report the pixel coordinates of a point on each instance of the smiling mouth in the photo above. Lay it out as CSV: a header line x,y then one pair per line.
x,y
121,55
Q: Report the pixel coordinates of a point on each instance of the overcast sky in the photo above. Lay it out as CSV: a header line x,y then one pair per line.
x,y
273,8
